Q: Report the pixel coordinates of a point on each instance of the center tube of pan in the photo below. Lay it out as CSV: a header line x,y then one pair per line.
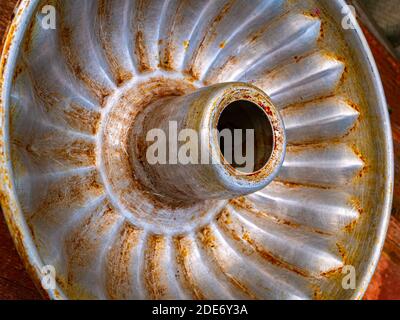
x,y
218,142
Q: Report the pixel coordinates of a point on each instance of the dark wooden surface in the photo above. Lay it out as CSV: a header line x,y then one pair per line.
x,y
16,284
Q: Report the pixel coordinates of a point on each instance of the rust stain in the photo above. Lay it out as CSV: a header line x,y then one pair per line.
x,y
167,61
123,115
355,204
332,273
226,66
7,203
207,238
242,202
141,53
98,90
77,152
73,189
366,166
140,41
245,237
193,71
83,242
82,119
105,34
153,271
317,295
119,259
183,252
343,253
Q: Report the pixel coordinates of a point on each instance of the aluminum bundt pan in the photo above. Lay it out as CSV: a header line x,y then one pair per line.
x,y
78,196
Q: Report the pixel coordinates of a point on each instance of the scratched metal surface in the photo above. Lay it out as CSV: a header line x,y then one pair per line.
x,y
66,99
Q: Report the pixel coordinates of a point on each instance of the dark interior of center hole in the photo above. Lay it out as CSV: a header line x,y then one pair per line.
x,y
244,115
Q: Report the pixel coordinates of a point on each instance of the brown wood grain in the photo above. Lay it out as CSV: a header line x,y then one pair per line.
x,y
16,284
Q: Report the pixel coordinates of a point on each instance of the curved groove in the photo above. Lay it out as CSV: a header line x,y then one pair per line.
x,y
252,281
321,165
304,253
264,47
210,16
176,33
48,149
316,121
85,247
323,210
50,225
196,278
282,278
147,19
53,98
38,102
77,25
122,261
57,194
236,13
115,35
314,76
243,19
59,83
158,268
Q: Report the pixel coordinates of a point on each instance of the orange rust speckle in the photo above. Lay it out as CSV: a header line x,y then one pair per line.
x,y
71,190
82,244
141,53
342,252
317,293
78,152
153,272
186,44
267,109
332,273
245,237
182,249
366,166
192,71
123,115
207,237
119,279
120,75
167,61
82,119
98,90
242,202
356,204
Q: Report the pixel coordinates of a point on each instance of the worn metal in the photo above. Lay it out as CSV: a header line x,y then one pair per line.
x,y
69,100
208,174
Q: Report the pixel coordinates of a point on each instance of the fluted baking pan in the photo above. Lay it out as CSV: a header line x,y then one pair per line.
x,y
69,96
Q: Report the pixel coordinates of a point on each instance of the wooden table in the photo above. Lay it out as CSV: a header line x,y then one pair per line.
x,y
16,284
